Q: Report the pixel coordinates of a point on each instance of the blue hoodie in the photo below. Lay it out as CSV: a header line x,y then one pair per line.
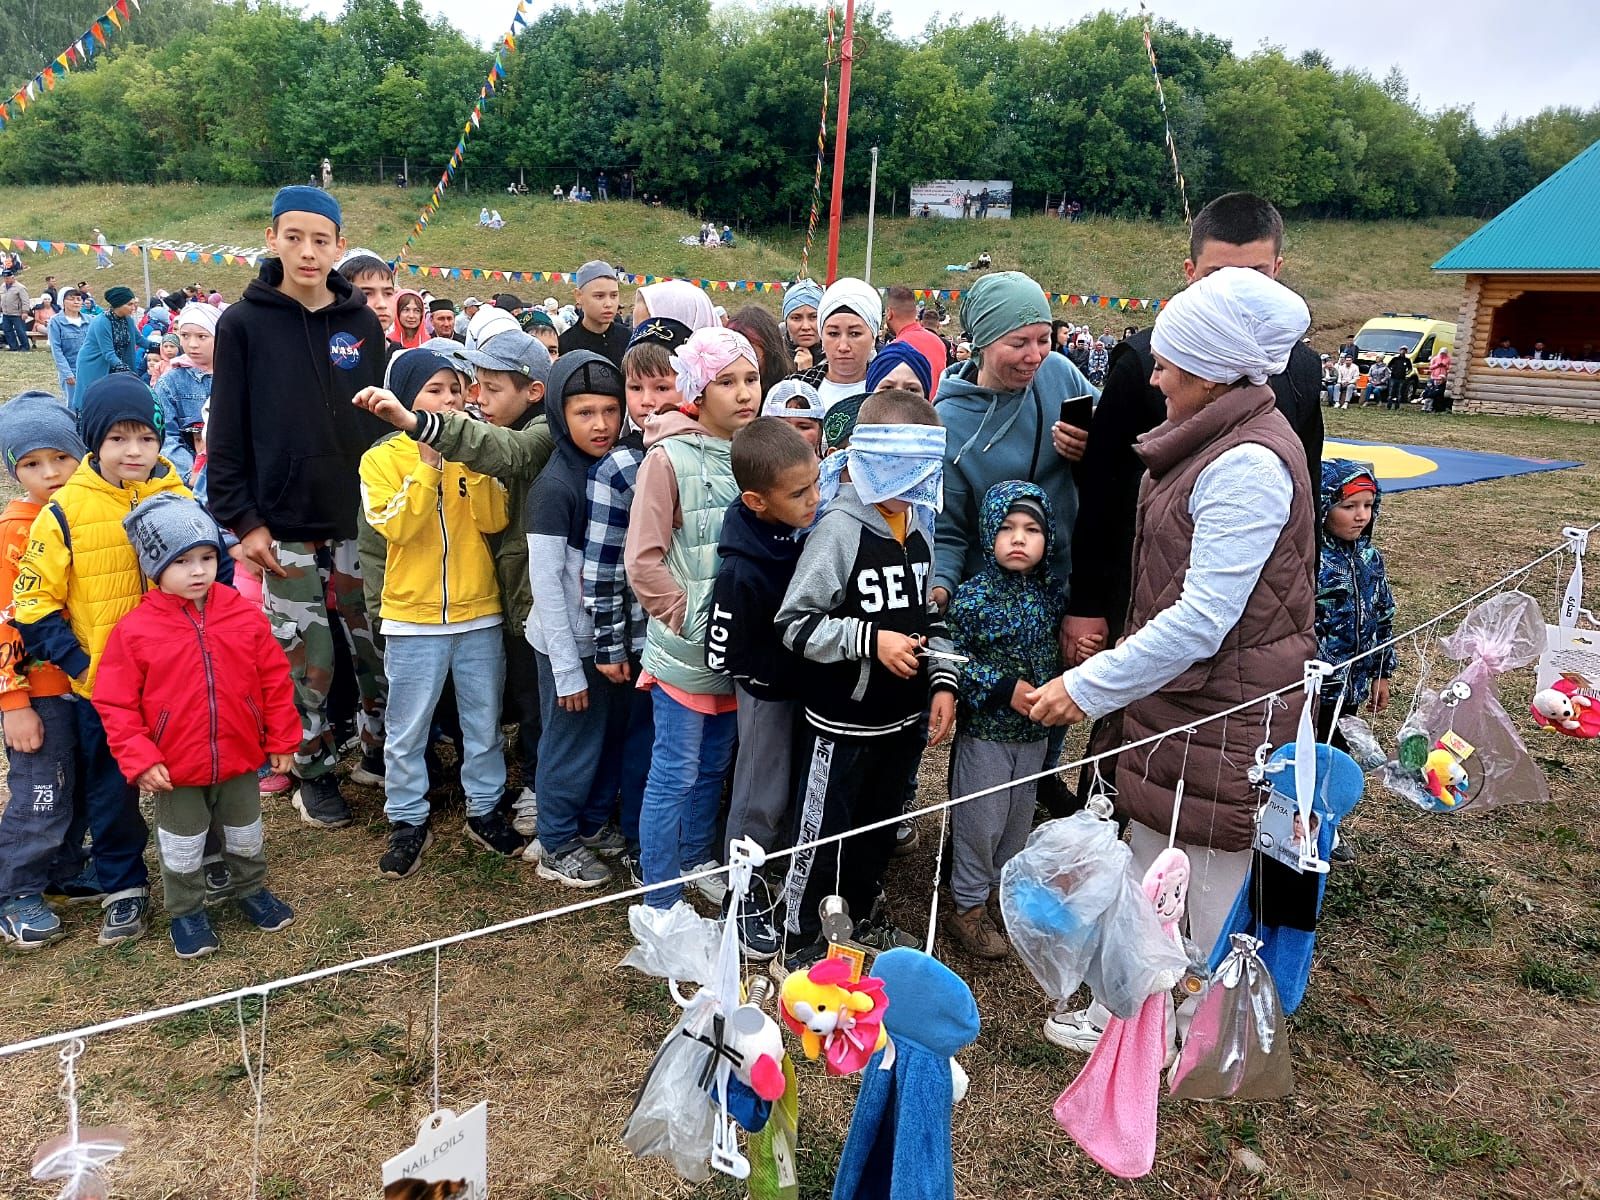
x,y
995,436
1355,608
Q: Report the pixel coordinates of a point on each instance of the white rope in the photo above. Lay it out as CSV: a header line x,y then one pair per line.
x,y
531,919
436,953
257,1078
938,865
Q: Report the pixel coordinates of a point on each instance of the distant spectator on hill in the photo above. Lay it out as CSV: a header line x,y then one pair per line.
x,y
14,306
1377,389
102,252
1401,372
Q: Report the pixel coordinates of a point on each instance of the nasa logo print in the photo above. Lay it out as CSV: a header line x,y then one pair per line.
x,y
344,351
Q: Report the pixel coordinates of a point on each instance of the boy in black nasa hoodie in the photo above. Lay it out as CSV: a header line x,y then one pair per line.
x,y
858,611
776,471
285,447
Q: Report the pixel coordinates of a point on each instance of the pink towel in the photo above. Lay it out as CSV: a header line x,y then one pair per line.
x,y
1110,1108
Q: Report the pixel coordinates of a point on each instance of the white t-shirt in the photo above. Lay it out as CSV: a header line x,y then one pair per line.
x,y
832,392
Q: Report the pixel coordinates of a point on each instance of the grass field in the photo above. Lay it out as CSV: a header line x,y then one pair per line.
x,y
1347,271
1446,1048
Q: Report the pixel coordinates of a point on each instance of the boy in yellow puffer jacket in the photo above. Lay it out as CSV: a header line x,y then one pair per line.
x,y
78,577
441,616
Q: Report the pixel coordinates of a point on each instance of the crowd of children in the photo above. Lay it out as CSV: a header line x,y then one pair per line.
x,y
670,579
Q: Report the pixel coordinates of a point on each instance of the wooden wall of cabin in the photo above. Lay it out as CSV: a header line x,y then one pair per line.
x,y
1495,305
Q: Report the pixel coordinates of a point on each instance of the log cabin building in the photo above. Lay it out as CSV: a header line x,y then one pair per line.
x,y
1528,337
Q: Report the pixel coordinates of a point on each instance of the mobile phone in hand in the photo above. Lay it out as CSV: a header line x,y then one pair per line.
x,y
1078,411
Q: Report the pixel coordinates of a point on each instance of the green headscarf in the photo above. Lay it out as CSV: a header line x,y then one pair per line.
x,y
999,303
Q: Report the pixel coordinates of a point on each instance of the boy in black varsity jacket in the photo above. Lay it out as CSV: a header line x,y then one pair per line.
x,y
858,611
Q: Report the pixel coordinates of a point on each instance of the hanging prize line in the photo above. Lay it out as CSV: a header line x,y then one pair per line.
x,y
262,990
79,53
488,90
822,140
1161,95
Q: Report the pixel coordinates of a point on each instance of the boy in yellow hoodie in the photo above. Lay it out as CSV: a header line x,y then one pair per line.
x,y
41,447
78,577
441,616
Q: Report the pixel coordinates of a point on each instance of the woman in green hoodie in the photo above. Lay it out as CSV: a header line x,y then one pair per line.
x,y
1001,408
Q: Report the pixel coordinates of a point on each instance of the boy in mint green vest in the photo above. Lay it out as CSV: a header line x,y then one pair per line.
x,y
685,486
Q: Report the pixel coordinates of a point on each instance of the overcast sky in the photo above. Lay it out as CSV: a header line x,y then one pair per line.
x,y
1502,59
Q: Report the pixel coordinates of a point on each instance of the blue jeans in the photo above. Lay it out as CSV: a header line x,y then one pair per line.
x,y
16,332
625,764
678,822
116,826
417,665
37,822
573,800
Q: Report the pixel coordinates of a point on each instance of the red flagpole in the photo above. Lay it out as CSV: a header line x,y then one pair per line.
x,y
847,53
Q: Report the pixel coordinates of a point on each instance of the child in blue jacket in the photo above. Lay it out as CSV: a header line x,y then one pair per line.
x,y
1003,621
1355,608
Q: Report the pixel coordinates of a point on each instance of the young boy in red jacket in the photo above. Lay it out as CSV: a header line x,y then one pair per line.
x,y
194,692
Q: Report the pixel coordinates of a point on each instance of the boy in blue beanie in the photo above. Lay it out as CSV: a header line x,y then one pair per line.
x,y
42,449
284,448
77,579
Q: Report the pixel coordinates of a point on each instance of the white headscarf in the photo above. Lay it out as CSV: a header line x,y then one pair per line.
x,y
487,322
681,301
1235,323
856,295
195,315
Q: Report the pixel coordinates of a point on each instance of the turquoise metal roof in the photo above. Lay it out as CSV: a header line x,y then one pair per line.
x,y
1555,227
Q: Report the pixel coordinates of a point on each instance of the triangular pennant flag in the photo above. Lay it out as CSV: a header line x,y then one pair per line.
x,y
98,32
111,15
122,7
49,76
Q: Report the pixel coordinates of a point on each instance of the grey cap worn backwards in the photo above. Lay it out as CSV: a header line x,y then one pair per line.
x,y
514,352
595,269
167,525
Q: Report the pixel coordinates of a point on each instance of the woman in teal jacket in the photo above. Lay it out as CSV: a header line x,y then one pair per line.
x,y
112,343
1001,409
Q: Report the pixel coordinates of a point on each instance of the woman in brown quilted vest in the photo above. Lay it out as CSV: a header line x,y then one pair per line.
x,y
1223,596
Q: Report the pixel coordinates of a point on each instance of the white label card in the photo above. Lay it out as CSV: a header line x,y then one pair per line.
x,y
1571,650
449,1160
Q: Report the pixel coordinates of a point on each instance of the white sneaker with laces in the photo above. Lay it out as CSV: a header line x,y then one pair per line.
x,y
713,887
1072,1031
526,813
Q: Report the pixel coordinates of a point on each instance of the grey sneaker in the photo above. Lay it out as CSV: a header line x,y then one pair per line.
x,y
125,917
320,804
577,867
713,887
27,923
526,812
607,842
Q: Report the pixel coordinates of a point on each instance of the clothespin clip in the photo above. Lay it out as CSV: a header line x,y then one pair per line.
x,y
744,856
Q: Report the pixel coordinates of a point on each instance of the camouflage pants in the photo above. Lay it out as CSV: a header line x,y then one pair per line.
x,y
324,578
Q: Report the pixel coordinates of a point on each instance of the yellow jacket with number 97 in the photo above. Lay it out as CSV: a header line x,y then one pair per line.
x,y
439,570
79,575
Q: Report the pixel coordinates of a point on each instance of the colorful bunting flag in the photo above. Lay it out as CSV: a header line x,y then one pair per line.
x,y
79,51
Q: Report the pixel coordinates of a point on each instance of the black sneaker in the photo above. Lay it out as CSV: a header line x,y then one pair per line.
x,y
629,862
494,833
319,803
369,771
802,959
218,882
404,855
878,933
758,936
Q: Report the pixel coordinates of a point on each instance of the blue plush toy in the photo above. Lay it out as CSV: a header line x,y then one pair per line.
x,y
1286,949
898,1147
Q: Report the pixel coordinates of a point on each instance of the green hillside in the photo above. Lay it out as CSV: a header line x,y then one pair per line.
x,y
1346,270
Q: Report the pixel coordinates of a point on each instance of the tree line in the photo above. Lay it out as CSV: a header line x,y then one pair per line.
x,y
719,108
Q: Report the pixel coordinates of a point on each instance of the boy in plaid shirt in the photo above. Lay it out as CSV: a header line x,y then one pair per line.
x,y
619,622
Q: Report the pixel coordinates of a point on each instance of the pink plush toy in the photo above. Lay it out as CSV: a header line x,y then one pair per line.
x,y
1569,707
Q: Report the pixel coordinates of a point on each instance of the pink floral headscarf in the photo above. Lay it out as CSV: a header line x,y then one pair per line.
x,y
707,354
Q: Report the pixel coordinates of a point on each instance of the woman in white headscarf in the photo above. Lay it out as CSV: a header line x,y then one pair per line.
x,y
1224,594
849,314
676,299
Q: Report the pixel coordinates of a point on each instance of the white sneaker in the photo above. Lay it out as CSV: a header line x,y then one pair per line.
x,y
713,887
1072,1031
526,813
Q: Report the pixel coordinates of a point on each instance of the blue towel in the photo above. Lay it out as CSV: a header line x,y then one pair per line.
x,y
898,1147
1285,950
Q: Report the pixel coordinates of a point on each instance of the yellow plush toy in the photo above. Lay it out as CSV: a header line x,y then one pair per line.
x,y
834,1017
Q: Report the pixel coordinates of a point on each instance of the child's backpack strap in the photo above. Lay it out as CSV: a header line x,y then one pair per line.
x,y
61,520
